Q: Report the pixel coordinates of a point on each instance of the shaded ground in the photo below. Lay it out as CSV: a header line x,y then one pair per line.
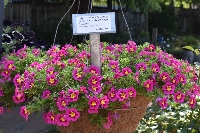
x,y
12,122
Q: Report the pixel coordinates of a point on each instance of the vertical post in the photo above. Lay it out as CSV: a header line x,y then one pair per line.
x,y
154,35
95,51
1,23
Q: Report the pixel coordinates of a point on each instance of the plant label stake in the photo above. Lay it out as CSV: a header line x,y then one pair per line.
x,y
94,24
1,23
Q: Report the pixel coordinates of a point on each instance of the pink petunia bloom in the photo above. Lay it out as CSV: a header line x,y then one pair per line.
x,y
109,49
182,78
109,122
62,53
9,65
155,68
46,94
1,110
73,95
131,42
179,97
114,65
163,103
83,89
141,66
165,76
18,97
29,84
52,80
104,102
94,80
24,112
132,92
50,70
148,84
152,47
96,89
112,95
94,70
94,102
17,80
168,88
61,120
34,64
51,118
62,104
92,111
136,77
77,75
122,94
72,114
192,102
118,75
126,71
63,94
131,48
175,81
6,73
36,52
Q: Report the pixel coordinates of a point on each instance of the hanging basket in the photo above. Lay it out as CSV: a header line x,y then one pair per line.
x,y
126,123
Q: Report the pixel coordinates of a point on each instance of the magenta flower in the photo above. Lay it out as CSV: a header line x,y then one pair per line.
x,y
126,71
179,97
83,89
34,64
17,80
1,110
131,42
109,122
94,80
132,92
6,73
36,52
50,70
62,104
18,97
77,75
155,68
72,114
192,102
51,80
24,112
163,103
62,53
182,78
96,89
131,48
73,95
94,70
118,75
141,66
112,95
168,88
152,47
29,84
122,94
9,65
104,101
94,102
61,120
148,84
165,76
51,118
114,65
46,94
109,49
175,81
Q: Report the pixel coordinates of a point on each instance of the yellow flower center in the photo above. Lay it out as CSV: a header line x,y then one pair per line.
x,y
113,66
51,72
131,49
73,95
147,85
93,103
31,85
103,102
92,71
51,81
72,114
62,119
78,75
142,68
169,88
19,96
52,118
126,72
94,88
130,93
154,69
6,72
10,66
19,80
123,95
94,81
64,103
179,96
112,94
163,103
164,77
192,101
